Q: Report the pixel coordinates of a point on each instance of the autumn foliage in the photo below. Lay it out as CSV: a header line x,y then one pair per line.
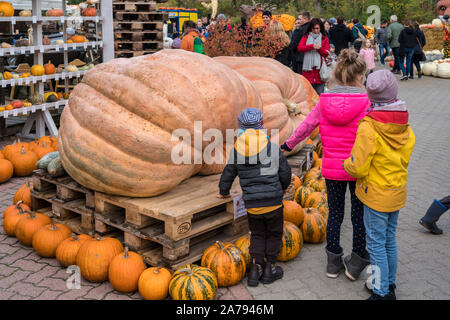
x,y
245,42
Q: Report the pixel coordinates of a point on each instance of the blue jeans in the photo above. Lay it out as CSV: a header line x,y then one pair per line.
x,y
384,51
397,59
382,246
409,53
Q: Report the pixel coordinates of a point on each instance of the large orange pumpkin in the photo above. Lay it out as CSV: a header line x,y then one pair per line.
x,y
284,97
12,215
11,150
154,283
192,282
301,194
67,251
24,163
95,256
291,242
47,239
226,261
115,135
23,193
6,170
6,9
293,212
125,270
314,199
28,225
42,149
314,227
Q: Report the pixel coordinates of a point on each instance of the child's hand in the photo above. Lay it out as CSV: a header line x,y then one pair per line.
x,y
220,196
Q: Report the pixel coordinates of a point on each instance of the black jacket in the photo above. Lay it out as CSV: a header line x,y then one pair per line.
x,y
262,180
407,38
297,36
421,37
340,36
284,57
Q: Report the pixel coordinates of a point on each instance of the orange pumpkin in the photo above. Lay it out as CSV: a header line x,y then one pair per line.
x,y
318,185
23,193
6,170
10,150
49,68
125,270
67,251
314,227
54,13
42,149
24,163
28,225
11,216
95,256
323,209
293,212
243,243
318,162
47,239
78,39
89,12
45,139
6,9
291,242
297,182
301,194
314,173
153,283
314,199
226,261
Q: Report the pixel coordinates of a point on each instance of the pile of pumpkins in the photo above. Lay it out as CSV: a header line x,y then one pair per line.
x,y
437,68
7,10
20,158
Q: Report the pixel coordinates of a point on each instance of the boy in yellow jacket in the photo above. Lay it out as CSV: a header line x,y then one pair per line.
x,y
379,161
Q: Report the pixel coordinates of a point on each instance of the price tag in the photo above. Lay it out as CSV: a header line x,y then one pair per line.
x,y
57,76
101,43
78,74
34,79
3,83
34,19
13,20
65,47
41,48
57,106
85,45
74,46
15,112
239,207
96,19
27,80
44,107
32,50
67,103
22,50
20,81
62,19
70,75
13,82
11,50
44,78
1,52
25,111
33,109
5,114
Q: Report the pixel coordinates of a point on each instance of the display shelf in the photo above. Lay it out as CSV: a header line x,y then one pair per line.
x,y
62,19
44,78
48,48
34,108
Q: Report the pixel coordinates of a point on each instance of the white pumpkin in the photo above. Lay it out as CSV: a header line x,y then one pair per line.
x,y
83,5
25,13
59,42
436,23
443,70
71,68
427,68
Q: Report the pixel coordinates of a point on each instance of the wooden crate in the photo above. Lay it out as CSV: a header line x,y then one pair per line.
x,y
139,16
129,35
138,25
302,161
131,54
137,6
148,45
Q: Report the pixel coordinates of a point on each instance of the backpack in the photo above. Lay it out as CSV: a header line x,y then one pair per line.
x,y
198,45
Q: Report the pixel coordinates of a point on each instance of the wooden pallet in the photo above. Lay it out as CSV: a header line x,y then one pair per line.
x,y
302,161
138,25
138,6
138,36
138,46
131,54
139,16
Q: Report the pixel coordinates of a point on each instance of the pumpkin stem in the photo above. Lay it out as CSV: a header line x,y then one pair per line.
x,y
156,270
74,236
98,237
32,214
187,270
221,246
18,203
23,150
53,226
125,253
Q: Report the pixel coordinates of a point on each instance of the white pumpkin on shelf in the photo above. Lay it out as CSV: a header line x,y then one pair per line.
x,y
71,68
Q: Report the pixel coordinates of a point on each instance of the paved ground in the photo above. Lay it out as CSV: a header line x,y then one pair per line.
x,y
424,259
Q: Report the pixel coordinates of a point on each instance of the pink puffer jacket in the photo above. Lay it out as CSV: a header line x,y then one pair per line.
x,y
338,115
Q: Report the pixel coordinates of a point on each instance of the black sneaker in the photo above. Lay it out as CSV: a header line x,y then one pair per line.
x,y
411,77
391,293
374,296
254,275
271,273
404,78
420,75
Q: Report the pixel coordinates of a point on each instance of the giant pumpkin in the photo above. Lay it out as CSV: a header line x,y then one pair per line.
x,y
115,135
283,94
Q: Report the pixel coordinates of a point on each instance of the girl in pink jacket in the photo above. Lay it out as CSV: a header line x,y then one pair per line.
x,y
368,54
337,114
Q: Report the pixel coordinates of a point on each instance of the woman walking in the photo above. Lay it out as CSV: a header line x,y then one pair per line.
x,y
418,50
316,47
408,42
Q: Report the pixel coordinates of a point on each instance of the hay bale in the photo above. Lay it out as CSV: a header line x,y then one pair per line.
x,y
435,39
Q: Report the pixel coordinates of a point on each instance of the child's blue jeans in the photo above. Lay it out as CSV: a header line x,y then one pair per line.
x,y
382,246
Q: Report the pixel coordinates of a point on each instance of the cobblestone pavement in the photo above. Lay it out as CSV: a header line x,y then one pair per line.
x,y
424,259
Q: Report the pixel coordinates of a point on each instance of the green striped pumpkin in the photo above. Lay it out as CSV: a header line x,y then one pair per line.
x,y
243,243
226,261
323,209
193,282
314,227
291,242
301,194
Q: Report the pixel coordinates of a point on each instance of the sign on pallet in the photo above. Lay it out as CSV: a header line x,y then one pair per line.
x,y
239,207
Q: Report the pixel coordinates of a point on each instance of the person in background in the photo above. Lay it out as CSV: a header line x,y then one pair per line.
x,y
340,35
190,33
394,31
379,160
315,45
276,30
327,25
333,21
368,54
337,114
205,22
297,57
434,212
408,42
418,50
267,18
381,38
222,19
262,190
359,34
200,28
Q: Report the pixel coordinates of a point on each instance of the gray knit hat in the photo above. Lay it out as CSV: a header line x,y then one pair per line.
x,y
251,118
382,87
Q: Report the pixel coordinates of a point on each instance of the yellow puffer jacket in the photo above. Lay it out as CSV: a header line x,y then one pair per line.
x,y
380,158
